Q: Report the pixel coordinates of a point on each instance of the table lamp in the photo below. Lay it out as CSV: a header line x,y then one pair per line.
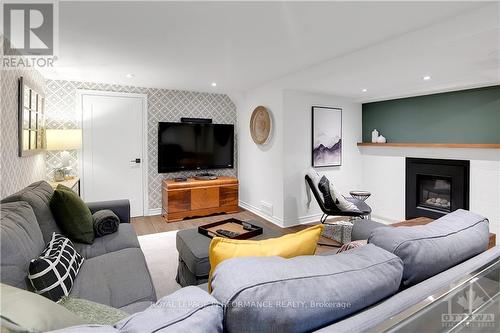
x,y
63,140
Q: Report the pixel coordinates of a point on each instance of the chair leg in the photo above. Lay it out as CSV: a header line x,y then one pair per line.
x,y
323,218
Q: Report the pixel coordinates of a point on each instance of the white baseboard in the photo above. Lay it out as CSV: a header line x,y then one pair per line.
x,y
304,219
280,222
154,211
257,211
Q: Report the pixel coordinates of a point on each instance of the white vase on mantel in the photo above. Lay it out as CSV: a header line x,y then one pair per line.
x,y
381,139
375,136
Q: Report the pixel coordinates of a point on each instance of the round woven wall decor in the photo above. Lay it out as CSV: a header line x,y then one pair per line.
x,y
260,125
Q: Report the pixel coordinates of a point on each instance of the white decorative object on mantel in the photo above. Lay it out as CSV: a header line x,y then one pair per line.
x,y
381,139
374,136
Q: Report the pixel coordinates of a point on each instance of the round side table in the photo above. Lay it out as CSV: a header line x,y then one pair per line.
x,y
361,195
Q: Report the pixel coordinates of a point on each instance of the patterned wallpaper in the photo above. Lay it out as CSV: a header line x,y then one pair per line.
x,y
16,172
163,105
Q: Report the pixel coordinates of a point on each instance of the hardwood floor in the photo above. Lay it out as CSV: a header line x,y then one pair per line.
x,y
154,224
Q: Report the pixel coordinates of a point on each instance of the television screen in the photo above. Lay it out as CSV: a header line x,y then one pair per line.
x,y
190,146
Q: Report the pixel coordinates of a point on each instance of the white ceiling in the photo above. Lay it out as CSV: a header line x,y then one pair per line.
x,y
332,47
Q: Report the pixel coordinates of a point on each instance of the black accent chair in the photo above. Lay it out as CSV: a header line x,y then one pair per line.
x,y
364,209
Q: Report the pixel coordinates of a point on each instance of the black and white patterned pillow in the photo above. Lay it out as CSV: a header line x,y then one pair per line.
x,y
53,273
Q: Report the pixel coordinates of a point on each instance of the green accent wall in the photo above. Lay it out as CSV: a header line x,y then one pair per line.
x,y
466,116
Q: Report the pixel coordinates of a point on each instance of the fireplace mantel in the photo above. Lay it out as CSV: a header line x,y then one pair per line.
x,y
432,145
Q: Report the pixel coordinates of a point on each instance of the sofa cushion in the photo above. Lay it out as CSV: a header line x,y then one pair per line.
x,y
72,215
136,307
124,238
21,241
429,249
38,196
117,279
34,313
272,294
361,229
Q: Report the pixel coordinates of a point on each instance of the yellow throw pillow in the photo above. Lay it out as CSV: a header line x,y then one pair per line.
x,y
288,246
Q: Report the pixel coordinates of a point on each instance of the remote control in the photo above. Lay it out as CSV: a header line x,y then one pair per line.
x,y
246,226
227,233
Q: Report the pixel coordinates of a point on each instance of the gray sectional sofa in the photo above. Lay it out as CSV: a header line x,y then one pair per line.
x,y
114,271
354,291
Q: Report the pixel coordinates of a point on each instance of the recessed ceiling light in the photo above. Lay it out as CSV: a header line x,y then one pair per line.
x,y
364,90
427,78
130,76
214,84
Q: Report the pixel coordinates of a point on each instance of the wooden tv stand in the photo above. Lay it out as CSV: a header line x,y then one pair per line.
x,y
193,197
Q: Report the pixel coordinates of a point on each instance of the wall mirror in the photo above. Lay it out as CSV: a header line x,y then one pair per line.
x,y
31,120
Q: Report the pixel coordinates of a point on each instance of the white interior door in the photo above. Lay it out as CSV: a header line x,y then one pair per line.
x,y
113,148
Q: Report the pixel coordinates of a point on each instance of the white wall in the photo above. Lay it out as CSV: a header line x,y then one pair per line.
x,y
274,173
297,152
384,177
260,170
16,172
383,174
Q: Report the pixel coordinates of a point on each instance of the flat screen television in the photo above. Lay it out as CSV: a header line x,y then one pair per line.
x,y
191,146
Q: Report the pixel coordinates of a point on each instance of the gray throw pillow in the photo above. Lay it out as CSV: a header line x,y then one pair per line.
x,y
430,249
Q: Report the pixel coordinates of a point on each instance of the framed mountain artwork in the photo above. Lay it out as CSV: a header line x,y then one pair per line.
x,y
326,136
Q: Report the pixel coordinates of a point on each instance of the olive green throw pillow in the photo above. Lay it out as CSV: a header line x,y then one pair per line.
x,y
91,312
72,215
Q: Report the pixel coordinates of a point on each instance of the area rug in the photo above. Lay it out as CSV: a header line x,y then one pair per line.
x,y
161,258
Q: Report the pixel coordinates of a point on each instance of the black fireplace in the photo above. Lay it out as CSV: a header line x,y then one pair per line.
x,y
435,187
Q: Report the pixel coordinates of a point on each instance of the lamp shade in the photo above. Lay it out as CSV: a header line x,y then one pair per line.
x,y
63,139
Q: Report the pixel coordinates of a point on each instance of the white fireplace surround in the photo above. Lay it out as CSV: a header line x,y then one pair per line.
x,y
384,176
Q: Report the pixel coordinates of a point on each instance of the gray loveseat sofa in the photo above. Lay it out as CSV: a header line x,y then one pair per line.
x,y
114,271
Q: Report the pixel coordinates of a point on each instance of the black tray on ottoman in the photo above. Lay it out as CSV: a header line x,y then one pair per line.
x,y
234,225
